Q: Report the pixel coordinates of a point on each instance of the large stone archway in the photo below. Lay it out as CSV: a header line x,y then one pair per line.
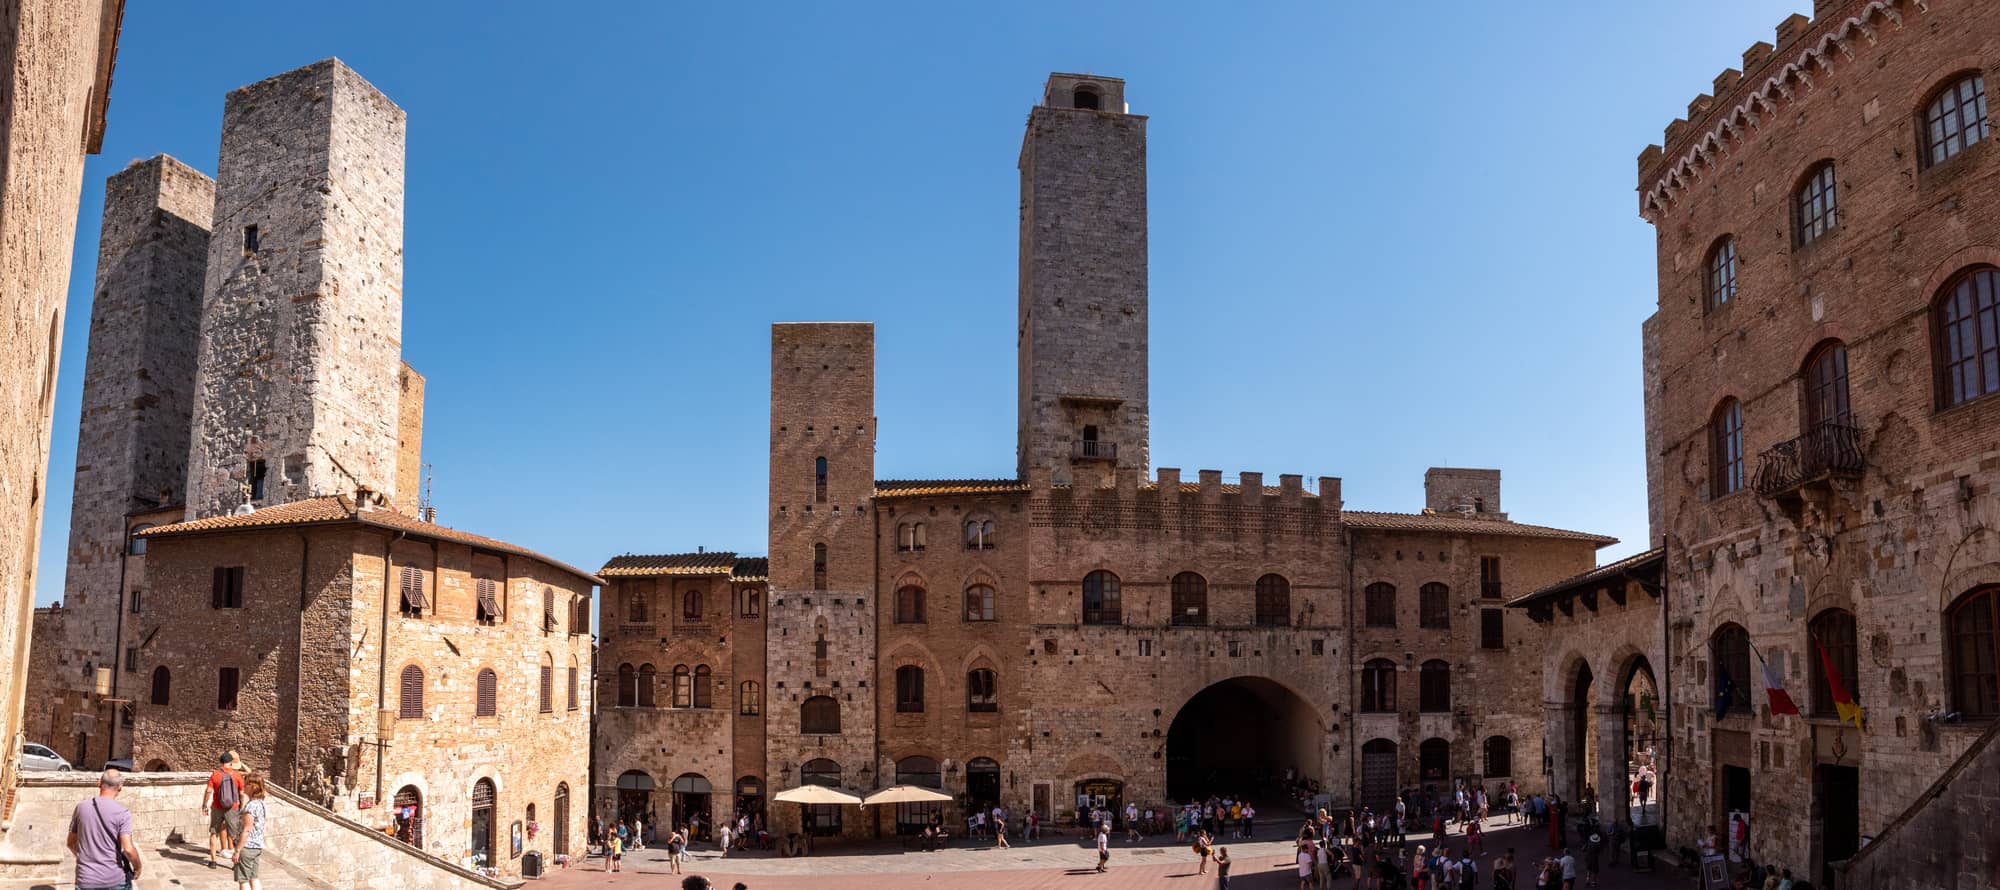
x,y
1241,736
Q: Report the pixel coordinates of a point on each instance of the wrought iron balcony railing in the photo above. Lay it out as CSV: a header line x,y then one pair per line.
x,y
1832,448
1093,448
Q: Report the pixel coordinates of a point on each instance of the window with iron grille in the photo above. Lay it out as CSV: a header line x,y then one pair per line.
x,y
1816,211
1492,629
909,689
410,582
1719,284
1726,448
1955,119
1380,600
226,681
1434,606
547,698
1489,577
226,588
488,704
980,693
1274,601
1968,336
1101,599
410,701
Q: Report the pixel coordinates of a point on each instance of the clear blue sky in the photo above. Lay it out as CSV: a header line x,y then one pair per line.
x,y
1384,237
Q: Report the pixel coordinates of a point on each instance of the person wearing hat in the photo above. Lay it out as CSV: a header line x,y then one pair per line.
x,y
222,802
1591,853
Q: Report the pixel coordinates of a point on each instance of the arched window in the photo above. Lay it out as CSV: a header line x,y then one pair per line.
x,y
1826,386
488,686
683,686
821,771
1967,329
819,715
704,686
1833,632
1381,604
1815,211
909,689
909,604
819,566
1499,757
635,608
1434,686
628,686
1434,605
1084,97
691,606
1378,687
547,694
1101,599
485,824
910,536
979,534
749,698
979,603
1190,592
410,700
1274,601
1719,280
819,480
648,677
1729,651
1975,652
981,691
1434,759
1954,118
163,685
1725,449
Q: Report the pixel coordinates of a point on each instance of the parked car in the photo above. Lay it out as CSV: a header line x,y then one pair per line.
x,y
35,756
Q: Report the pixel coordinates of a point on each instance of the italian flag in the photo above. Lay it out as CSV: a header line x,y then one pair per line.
x,y
1781,701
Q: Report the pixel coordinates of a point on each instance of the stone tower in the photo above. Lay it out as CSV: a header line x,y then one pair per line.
x,y
1083,280
300,368
821,626
138,383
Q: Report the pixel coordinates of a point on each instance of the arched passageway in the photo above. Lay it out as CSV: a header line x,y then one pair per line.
x,y
1583,734
1642,728
1240,737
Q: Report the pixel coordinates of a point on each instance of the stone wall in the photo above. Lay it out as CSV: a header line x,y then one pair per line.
x,y
302,312
1927,847
1900,532
1083,302
56,56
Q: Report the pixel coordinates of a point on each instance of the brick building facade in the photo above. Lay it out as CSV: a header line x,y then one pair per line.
x,y
1821,452
1087,630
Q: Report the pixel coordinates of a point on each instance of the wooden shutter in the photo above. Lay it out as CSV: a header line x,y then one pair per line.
x,y
489,602
217,585
411,705
548,689
548,609
489,694
572,688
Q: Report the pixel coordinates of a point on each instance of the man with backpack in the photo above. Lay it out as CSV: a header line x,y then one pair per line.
x,y
223,802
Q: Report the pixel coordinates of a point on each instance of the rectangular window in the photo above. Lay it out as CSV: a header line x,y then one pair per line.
x,y
135,602
1489,577
1319,647
249,239
487,592
226,588
572,688
548,697
751,607
1235,649
225,689
1145,647
131,659
1492,629
257,480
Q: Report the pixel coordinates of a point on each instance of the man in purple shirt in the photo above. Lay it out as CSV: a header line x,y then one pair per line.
x,y
99,831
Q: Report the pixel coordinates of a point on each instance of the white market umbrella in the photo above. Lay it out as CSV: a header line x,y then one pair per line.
x,y
816,794
906,794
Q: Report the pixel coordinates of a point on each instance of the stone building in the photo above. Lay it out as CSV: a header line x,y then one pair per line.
x,y
1087,632
1822,447
56,58
373,661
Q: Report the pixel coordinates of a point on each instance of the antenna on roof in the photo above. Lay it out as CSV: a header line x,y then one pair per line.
x,y
426,508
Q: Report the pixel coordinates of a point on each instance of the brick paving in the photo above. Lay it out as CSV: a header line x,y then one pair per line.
x,y
1260,864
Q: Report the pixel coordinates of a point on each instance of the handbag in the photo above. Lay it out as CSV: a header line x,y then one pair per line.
x,y
124,864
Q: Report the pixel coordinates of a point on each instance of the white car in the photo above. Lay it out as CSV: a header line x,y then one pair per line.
x,y
35,756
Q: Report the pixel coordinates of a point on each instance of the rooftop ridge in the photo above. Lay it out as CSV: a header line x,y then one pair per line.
x,y
1719,126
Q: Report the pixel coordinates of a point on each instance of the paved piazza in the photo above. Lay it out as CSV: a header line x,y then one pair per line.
x,y
1261,863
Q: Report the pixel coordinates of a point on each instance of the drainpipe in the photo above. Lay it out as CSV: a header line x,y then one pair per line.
x,y
299,651
382,665
1353,750
118,644
1667,671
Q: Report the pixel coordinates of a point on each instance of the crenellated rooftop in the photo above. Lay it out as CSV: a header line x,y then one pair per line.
x,y
1806,54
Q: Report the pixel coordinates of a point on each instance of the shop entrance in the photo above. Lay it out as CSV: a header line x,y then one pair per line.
x,y
409,816
982,781
635,796
1100,794
482,823
691,805
1838,789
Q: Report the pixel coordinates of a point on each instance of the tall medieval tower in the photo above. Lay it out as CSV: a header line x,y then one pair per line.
x,y
138,382
300,370
1083,280
821,630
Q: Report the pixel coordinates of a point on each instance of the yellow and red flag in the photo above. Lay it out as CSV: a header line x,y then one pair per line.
x,y
1843,703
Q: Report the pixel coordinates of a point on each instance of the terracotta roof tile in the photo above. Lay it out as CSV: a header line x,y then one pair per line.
x,y
885,488
1464,525
1631,563
632,565
339,508
751,568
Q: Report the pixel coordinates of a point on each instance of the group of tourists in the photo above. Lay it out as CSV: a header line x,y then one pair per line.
x,y
613,841
107,858
1215,817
